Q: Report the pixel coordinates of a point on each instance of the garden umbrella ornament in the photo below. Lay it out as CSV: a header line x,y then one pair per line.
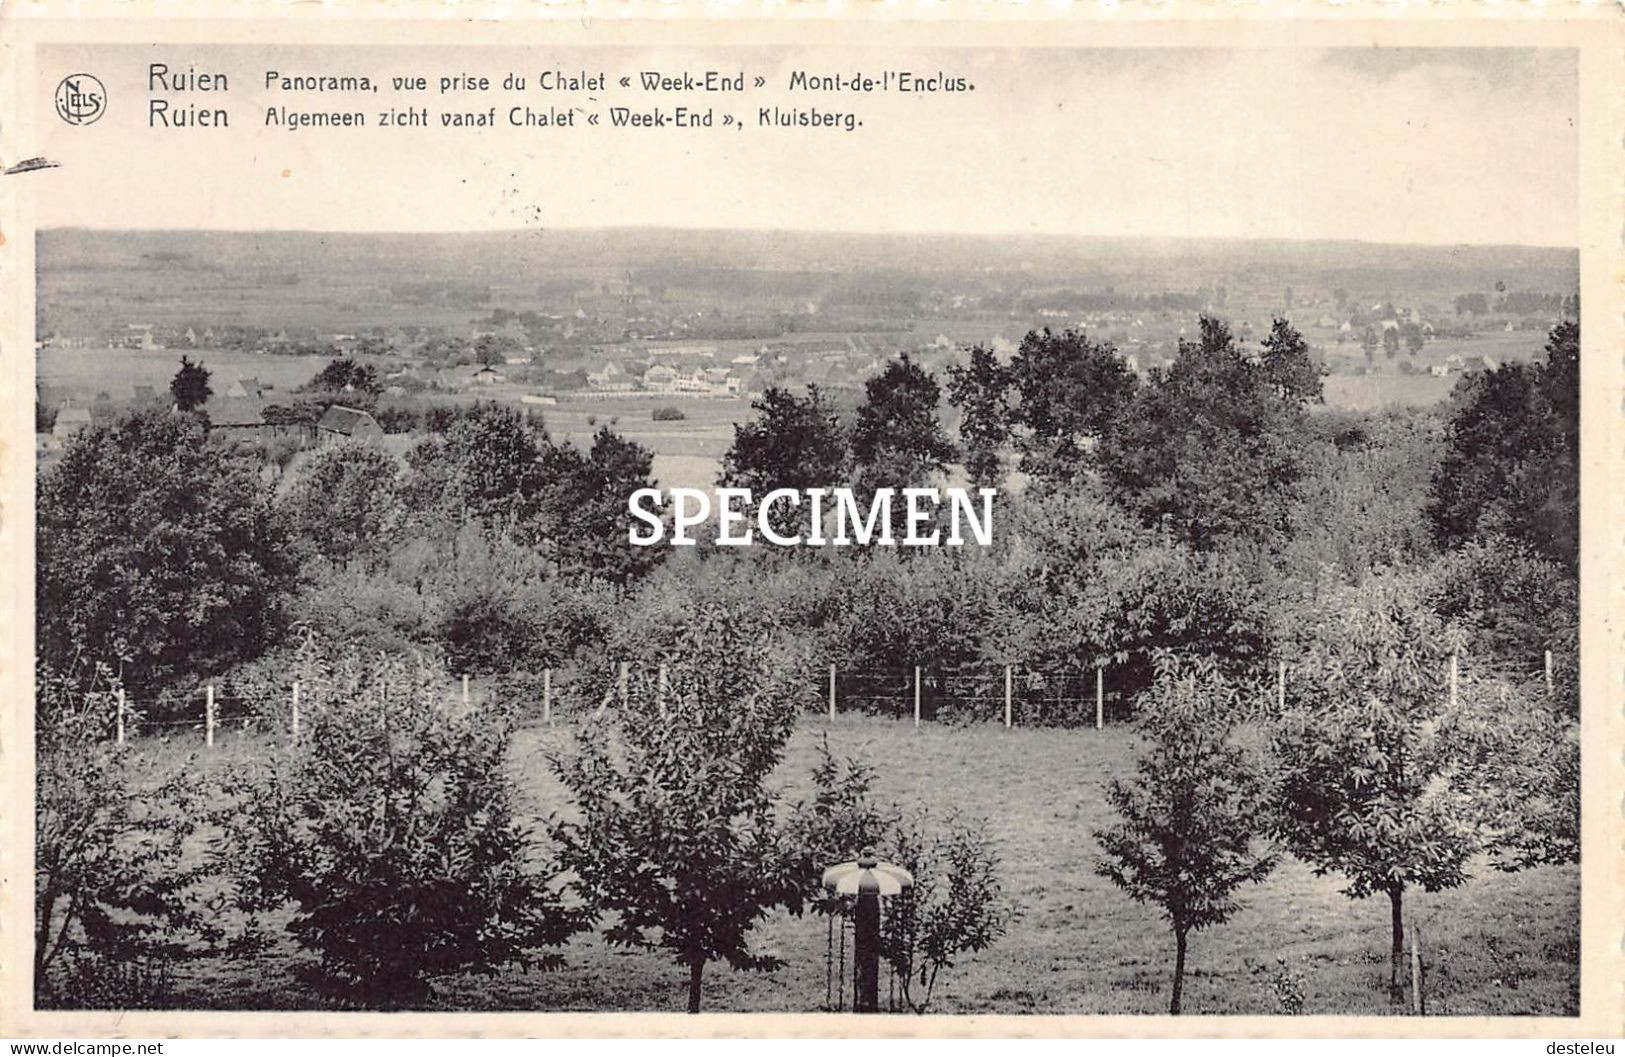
x,y
865,881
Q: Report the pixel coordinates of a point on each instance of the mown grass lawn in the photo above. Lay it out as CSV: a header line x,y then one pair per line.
x,y
1502,944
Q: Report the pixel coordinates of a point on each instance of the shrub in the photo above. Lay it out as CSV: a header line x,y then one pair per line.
x,y
114,886
1516,604
668,414
345,503
955,907
389,830
841,820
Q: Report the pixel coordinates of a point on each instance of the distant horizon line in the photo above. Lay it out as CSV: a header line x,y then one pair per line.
x,y
678,229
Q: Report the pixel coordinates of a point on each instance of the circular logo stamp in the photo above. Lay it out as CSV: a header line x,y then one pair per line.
x,y
80,99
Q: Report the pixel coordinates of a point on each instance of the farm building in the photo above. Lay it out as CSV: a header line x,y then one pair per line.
x,y
659,378
339,423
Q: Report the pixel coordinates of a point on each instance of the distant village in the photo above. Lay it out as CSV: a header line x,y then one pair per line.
x,y
638,344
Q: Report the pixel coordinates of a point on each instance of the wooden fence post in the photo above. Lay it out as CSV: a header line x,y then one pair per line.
x,y
1007,697
832,691
660,692
916,696
294,726
621,683
1100,698
1280,686
465,690
547,696
1418,1003
1548,671
1454,678
208,716
121,715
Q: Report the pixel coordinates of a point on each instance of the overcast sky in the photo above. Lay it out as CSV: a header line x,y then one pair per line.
x,y
1393,145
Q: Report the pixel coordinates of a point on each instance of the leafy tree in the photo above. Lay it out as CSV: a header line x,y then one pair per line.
x,y
190,386
1362,500
1176,601
1068,389
117,879
485,465
1371,747
492,350
389,829
675,832
346,374
955,907
582,508
156,550
897,441
496,467
1368,343
1511,464
1209,449
1414,338
1288,367
299,413
1190,815
980,389
346,502
842,818
1390,342
1515,603
793,442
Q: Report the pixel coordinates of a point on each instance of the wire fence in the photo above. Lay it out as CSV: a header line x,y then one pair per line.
x,y
1012,695
1007,695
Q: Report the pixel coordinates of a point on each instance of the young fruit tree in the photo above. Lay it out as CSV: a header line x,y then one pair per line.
x,y
674,831
388,830
1190,815
1374,753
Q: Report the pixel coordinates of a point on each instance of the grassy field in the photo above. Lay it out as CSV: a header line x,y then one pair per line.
x,y
85,372
1501,944
1369,392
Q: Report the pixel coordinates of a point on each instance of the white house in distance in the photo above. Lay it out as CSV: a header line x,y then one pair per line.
x,y
69,420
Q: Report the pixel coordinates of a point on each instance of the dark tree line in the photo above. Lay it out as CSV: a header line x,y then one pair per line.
x,y
165,554
1512,464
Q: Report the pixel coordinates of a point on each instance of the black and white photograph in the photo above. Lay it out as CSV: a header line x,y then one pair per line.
x,y
890,527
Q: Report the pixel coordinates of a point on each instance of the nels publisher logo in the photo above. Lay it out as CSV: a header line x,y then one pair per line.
x,y
80,99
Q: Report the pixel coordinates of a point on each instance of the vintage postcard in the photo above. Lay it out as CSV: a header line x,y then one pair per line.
x,y
811,522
